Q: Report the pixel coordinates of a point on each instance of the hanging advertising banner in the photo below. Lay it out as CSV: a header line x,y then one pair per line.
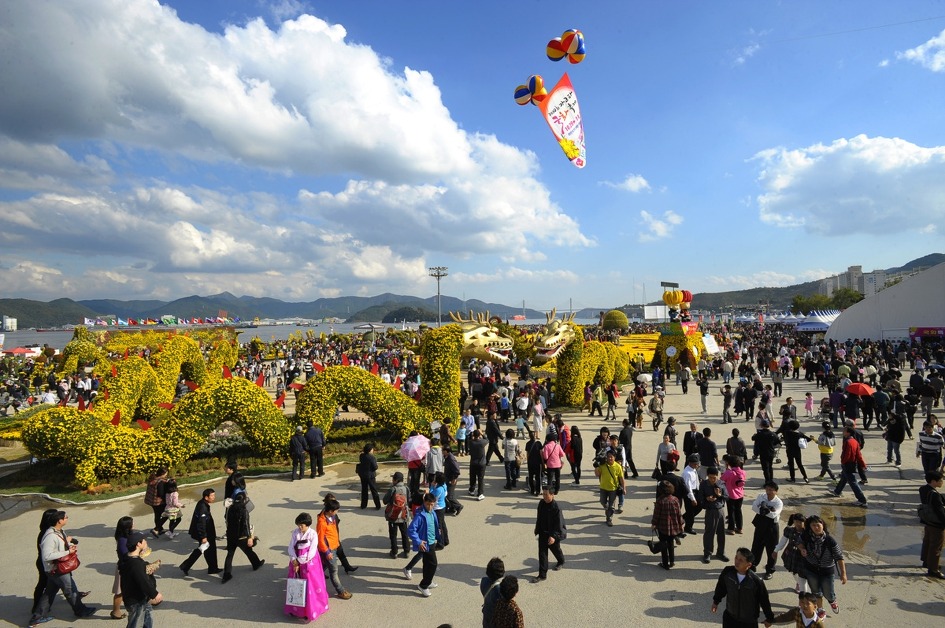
x,y
563,115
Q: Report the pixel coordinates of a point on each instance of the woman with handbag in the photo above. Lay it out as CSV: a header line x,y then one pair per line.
x,y
822,554
305,566
47,521
60,559
667,522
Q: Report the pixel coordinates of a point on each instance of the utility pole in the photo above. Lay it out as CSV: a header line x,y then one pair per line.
x,y
438,272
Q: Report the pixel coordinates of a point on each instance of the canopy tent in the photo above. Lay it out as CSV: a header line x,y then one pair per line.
x,y
915,302
819,321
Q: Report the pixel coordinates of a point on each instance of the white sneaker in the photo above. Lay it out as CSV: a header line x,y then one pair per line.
x,y
481,497
425,592
432,585
408,574
170,535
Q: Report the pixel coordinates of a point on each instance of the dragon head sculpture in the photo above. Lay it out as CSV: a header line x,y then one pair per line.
x,y
555,336
481,339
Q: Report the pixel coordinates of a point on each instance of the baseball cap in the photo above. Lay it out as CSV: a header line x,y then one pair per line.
x,y
135,538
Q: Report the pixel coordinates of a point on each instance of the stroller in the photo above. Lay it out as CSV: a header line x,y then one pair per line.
x,y
825,409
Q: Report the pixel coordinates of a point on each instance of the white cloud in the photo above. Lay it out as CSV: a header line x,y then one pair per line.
x,y
884,63
762,278
655,228
746,53
518,274
862,185
930,55
633,183
126,81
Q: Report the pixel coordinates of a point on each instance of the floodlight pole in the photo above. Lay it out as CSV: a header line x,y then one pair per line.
x,y
438,272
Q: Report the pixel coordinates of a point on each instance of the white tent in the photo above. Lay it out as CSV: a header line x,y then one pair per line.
x,y
818,321
917,301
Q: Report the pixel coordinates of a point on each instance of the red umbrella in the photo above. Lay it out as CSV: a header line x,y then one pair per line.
x,y
859,388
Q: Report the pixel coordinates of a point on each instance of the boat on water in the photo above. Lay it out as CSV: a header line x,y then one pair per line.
x,y
518,317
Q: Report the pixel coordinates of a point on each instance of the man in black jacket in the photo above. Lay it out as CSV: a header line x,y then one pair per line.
x,y
315,443
690,443
934,533
204,532
298,451
550,529
626,440
493,434
138,588
766,444
744,592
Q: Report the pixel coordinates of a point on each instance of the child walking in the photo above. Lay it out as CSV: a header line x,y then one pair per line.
x,y
809,405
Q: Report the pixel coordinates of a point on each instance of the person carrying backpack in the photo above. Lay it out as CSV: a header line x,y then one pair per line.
x,y
397,502
154,497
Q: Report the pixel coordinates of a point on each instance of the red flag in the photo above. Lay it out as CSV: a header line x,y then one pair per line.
x,y
296,386
344,359
191,385
374,369
226,372
117,418
396,363
166,406
126,354
261,380
397,383
106,394
318,366
81,402
63,402
114,371
144,425
280,402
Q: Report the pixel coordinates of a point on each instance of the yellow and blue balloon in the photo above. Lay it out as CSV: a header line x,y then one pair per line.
x,y
570,45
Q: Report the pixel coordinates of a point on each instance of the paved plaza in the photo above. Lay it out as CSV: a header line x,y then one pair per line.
x,y
610,576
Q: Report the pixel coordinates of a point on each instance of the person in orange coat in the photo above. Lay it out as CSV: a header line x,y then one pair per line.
x,y
326,527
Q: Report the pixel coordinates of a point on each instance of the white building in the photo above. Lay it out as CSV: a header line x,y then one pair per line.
x,y
9,323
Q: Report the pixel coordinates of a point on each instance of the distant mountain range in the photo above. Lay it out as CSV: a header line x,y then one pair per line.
x,y
365,309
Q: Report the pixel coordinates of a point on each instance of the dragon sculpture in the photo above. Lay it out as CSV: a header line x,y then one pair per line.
x,y
575,361
481,339
554,337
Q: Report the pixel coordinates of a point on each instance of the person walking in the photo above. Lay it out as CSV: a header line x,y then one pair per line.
x,y
367,472
477,464
305,563
154,497
667,523
713,496
822,556
825,444
123,531
424,532
397,502
574,452
744,593
493,435
930,447
552,456
54,546
766,446
46,521
626,441
510,452
329,540
138,585
767,508
795,442
611,483
204,532
239,535
850,460
550,530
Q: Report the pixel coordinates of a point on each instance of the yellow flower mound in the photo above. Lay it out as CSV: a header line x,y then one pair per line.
x,y
591,361
100,450
439,386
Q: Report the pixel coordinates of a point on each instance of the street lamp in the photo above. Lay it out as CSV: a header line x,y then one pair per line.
x,y
438,272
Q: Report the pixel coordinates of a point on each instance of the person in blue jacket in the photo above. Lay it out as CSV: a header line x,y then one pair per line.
x,y
424,533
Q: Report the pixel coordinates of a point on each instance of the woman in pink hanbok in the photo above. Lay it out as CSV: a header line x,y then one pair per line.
x,y
306,563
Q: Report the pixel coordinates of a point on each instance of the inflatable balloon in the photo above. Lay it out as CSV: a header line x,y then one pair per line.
x,y
686,296
672,298
523,95
570,45
536,85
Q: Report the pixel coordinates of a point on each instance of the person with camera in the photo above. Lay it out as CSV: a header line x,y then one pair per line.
x,y
58,551
612,484
239,535
767,508
138,587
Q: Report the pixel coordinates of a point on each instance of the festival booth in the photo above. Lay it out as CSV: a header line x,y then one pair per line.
x,y
817,322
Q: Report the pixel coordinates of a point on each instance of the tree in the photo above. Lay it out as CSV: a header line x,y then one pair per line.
x,y
803,305
615,319
845,297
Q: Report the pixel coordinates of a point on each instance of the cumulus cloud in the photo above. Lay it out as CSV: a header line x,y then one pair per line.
x,y
655,228
519,274
762,278
930,55
633,183
859,185
126,81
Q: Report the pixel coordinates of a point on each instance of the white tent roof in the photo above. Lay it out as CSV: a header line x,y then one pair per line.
x,y
917,301
818,321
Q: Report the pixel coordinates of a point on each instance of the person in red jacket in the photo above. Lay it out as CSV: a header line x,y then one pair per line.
x,y
850,460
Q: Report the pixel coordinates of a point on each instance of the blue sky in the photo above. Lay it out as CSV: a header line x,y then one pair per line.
x,y
297,150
